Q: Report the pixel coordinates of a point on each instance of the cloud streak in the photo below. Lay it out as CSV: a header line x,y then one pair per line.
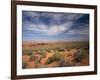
x,y
51,24
48,29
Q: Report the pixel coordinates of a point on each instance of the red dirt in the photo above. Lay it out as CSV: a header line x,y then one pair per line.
x,y
25,58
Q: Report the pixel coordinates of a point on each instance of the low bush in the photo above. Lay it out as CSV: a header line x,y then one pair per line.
x,y
79,55
24,65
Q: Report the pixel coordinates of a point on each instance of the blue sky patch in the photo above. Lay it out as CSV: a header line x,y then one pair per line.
x,y
55,26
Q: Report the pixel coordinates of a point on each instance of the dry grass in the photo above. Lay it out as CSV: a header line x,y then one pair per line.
x,y
62,54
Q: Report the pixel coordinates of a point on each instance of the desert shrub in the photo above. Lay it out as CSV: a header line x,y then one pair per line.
x,y
39,51
23,65
53,49
32,58
86,50
67,64
26,52
48,50
49,61
79,55
61,49
35,50
63,63
77,48
42,54
56,49
37,61
68,49
55,57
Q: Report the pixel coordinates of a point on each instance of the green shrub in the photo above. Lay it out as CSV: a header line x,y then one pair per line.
x,y
56,57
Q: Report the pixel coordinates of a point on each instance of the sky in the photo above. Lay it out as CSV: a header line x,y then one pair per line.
x,y
55,26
